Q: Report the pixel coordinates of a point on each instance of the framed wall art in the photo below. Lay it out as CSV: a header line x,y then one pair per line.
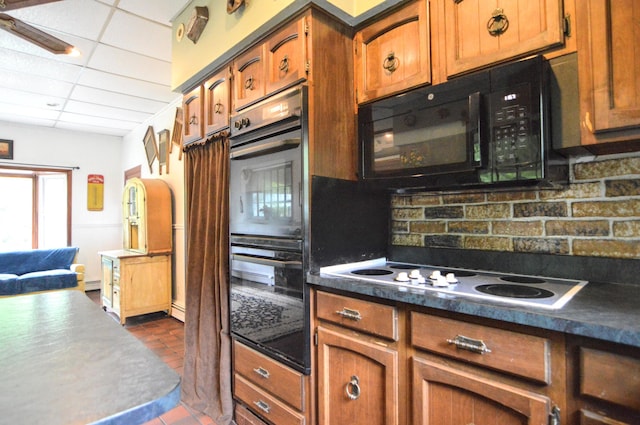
x,y
176,136
6,149
164,145
150,147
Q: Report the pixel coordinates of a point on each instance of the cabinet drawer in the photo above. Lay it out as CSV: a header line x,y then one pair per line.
x,y
264,404
512,352
365,316
610,377
270,375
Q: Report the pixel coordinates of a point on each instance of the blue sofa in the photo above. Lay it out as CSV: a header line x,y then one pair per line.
x,y
38,270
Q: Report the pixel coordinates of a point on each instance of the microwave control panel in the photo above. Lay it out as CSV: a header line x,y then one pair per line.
x,y
515,146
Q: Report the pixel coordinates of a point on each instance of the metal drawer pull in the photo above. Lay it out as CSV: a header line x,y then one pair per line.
x,y
470,344
262,406
262,372
391,62
353,388
348,313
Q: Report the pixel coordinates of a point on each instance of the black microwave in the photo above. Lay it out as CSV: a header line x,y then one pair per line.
x,y
486,128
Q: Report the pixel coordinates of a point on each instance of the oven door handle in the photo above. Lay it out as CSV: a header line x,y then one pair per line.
x,y
267,261
265,148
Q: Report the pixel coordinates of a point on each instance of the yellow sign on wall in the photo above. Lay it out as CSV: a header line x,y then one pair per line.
x,y
95,192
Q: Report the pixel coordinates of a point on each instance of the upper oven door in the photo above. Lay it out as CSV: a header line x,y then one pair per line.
x,y
266,185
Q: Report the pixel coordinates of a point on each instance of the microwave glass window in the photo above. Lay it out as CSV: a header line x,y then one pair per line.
x,y
421,138
269,192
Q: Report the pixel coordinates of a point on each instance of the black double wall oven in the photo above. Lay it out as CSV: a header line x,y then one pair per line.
x,y
268,297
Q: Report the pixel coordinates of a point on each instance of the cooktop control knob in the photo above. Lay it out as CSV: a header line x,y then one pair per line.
x,y
402,277
451,278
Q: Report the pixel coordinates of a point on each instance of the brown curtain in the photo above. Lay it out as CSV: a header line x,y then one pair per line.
x,y
206,381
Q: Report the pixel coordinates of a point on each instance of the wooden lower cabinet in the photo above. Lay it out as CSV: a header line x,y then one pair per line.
x,y
268,390
357,380
445,395
607,383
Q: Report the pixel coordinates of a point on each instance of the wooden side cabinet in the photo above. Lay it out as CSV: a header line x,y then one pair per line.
x,y
286,56
393,54
140,284
608,63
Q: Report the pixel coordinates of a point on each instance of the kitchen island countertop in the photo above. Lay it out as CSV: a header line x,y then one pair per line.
x,y
605,311
64,361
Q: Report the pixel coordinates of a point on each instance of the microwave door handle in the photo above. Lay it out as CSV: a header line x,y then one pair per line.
x,y
474,128
267,261
270,147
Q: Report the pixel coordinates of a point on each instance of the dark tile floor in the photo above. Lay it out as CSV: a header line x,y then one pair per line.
x,y
163,335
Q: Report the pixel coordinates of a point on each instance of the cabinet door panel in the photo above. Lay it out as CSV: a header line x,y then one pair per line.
x,y
393,54
249,79
609,62
286,56
348,365
216,102
526,27
444,395
192,106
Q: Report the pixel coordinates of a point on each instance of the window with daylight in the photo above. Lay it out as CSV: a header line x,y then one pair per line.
x,y
35,208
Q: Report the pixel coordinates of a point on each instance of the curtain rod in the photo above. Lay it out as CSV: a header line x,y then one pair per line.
x,y
58,167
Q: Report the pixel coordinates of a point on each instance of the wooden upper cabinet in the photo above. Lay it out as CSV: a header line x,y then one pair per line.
x,y
216,102
286,56
393,54
482,32
192,106
249,77
608,63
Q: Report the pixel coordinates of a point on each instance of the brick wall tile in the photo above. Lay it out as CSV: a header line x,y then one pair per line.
x,y
443,241
488,211
622,187
623,208
574,191
444,212
407,240
488,243
539,245
540,209
400,201
407,213
428,227
606,248
607,168
469,227
524,195
626,229
463,198
577,228
517,228
425,200
398,226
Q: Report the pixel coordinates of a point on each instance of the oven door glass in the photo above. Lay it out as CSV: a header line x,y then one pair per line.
x,y
265,187
267,301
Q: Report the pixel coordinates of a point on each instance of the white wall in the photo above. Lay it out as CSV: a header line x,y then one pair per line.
x,y
133,154
91,231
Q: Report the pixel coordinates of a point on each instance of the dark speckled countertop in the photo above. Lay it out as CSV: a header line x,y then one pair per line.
x,y
606,311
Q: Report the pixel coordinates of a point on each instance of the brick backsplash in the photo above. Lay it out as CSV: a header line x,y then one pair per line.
x,y
597,214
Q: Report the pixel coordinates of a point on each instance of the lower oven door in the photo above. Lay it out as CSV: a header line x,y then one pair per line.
x,y
267,304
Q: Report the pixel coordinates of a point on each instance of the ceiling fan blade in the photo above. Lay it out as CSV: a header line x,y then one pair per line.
x,y
6,5
34,35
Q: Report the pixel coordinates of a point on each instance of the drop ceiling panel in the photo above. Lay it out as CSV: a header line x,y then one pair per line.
x,y
116,100
121,62
121,79
124,32
119,84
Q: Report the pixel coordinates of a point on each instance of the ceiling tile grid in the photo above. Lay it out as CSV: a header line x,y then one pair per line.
x,y
121,78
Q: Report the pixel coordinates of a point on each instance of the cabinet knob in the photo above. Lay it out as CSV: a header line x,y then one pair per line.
x,y
470,344
284,64
353,388
249,83
498,23
218,108
391,62
262,372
